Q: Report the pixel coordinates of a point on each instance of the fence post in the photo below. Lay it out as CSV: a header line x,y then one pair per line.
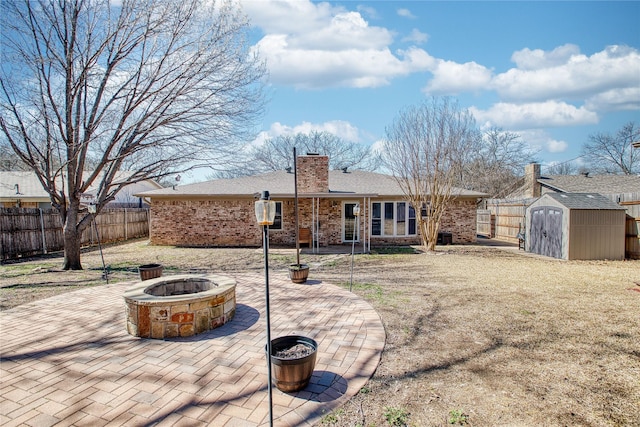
x,y
126,234
44,241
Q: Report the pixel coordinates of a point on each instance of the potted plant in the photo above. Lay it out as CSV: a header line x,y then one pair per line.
x,y
150,271
293,358
298,273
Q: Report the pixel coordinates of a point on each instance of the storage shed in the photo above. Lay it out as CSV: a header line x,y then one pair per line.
x,y
575,226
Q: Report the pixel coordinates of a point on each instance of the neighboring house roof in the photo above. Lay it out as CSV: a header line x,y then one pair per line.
x,y
29,188
583,201
281,184
21,185
603,184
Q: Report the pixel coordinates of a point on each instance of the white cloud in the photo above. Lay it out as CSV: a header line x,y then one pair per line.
x,y
540,140
305,68
416,36
289,16
615,100
345,31
405,13
564,73
340,128
533,115
452,78
555,146
318,45
367,11
527,59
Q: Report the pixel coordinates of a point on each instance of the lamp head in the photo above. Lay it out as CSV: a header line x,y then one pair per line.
x,y
265,209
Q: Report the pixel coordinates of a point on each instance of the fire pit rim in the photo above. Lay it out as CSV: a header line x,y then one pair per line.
x,y
219,285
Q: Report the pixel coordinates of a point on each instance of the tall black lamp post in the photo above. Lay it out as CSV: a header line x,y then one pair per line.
x,y
356,231
265,214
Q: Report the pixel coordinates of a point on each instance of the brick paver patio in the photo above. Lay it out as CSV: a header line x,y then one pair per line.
x,y
68,360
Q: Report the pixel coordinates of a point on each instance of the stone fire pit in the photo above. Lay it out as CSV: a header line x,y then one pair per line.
x,y
179,306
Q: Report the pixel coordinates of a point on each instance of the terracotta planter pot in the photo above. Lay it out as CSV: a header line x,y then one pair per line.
x,y
292,374
298,273
150,271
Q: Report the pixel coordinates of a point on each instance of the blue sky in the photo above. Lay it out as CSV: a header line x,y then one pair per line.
x,y
553,72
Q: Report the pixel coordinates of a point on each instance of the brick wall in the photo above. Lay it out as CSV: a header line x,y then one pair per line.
x,y
460,220
313,174
204,223
232,223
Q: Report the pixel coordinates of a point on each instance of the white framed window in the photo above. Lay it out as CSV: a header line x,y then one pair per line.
x,y
393,219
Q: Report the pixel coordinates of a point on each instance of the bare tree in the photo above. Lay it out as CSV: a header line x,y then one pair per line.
x,y
422,149
498,158
9,161
614,154
275,154
145,86
564,168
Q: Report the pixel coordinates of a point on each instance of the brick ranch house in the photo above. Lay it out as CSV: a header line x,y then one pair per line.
x,y
220,213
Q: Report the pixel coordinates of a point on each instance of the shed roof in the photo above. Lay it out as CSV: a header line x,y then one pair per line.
x,y
584,201
281,184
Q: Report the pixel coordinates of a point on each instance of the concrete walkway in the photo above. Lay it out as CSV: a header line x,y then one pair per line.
x,y
68,360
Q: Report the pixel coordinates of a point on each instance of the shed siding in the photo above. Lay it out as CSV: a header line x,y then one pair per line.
x,y
596,234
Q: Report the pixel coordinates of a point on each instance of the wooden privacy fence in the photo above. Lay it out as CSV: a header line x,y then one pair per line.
x,y
26,231
486,224
503,218
631,203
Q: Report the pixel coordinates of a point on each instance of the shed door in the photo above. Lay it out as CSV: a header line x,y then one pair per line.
x,y
546,231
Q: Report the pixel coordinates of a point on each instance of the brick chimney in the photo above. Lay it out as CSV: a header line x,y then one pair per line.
x,y
531,184
313,173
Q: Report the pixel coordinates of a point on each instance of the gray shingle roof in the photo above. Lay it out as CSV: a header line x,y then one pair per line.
x,y
27,182
30,187
584,201
603,184
281,184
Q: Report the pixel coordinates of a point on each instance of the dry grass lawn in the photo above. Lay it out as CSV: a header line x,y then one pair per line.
x,y
476,335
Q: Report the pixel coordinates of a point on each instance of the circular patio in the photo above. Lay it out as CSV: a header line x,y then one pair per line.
x,y
70,359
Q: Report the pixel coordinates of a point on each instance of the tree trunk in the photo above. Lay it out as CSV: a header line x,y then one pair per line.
x,y
72,237
429,237
432,234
